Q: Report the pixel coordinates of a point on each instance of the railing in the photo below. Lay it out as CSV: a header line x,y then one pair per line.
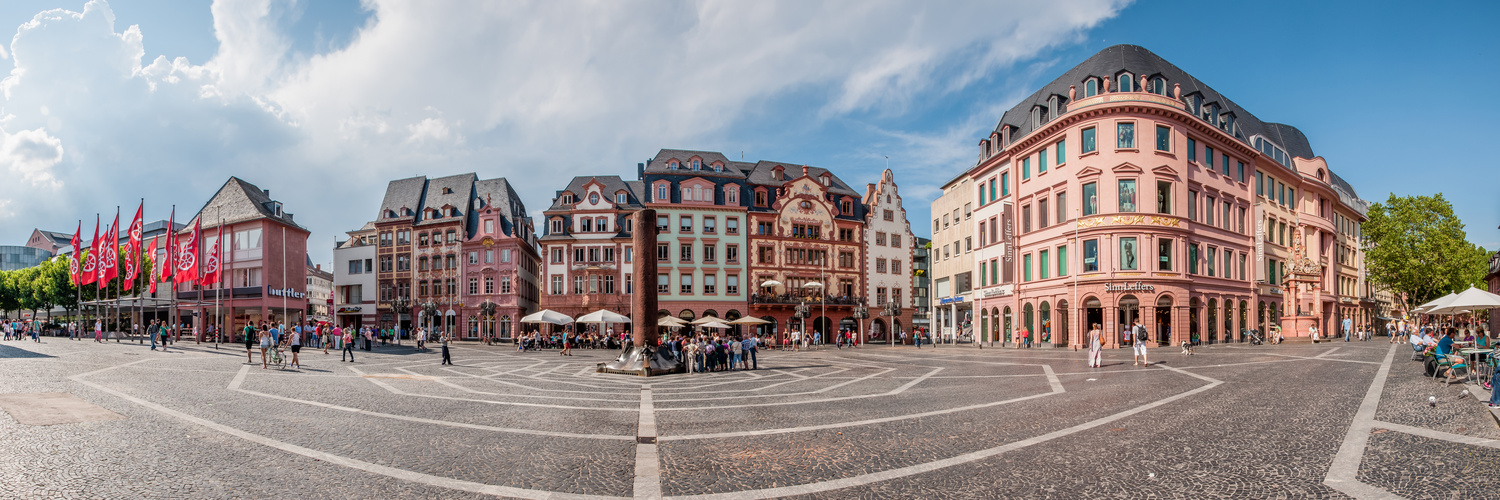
x,y
798,299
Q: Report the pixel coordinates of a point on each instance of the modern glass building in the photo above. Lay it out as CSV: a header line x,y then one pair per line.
x,y
18,257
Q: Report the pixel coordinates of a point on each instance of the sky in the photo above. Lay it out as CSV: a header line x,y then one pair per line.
x,y
323,103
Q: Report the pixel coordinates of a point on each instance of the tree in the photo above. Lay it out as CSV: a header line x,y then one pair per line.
x,y
1417,248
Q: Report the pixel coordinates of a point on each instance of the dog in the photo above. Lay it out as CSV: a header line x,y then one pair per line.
x,y
1187,348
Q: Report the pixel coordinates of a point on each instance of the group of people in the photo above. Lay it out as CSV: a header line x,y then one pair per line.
x,y
703,353
20,330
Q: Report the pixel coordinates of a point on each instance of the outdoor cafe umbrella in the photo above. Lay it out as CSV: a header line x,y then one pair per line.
x,y
547,316
749,320
603,316
705,320
1436,303
1469,300
714,324
670,321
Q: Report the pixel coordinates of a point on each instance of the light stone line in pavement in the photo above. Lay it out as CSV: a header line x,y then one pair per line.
x,y
818,391
1343,474
893,392
476,391
647,458
373,468
887,475
1436,434
485,401
1057,388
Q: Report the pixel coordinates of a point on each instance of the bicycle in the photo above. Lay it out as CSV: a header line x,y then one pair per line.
x,y
276,357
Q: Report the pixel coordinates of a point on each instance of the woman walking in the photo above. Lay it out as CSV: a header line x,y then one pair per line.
x,y
1095,347
296,348
265,345
447,360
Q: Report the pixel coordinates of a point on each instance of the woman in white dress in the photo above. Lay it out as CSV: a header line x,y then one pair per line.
x,y
1095,348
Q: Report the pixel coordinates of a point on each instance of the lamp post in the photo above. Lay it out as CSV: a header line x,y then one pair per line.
x,y
822,300
487,309
893,310
861,313
428,310
801,313
402,305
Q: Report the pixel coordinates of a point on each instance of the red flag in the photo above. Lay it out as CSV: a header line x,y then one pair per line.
x,y
90,267
211,261
133,249
110,259
152,289
73,259
168,264
187,257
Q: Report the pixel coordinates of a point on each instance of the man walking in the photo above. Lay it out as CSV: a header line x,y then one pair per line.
x,y
151,331
1348,325
750,346
447,360
1138,333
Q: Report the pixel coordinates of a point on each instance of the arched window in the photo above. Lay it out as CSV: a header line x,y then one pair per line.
x,y
1124,82
1090,87
695,164
1158,85
672,165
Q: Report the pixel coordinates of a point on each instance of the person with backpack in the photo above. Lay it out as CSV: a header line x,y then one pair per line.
x,y
1138,333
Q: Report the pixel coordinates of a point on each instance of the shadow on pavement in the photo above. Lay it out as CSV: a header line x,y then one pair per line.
x,y
16,352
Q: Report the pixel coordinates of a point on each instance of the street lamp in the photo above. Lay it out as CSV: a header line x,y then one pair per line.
x,y
893,310
801,313
487,309
860,314
402,305
822,300
428,311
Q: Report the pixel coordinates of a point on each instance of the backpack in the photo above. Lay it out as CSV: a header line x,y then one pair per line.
x,y
1140,333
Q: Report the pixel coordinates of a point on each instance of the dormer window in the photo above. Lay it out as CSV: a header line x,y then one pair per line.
x,y
1091,87
390,214
1054,104
695,164
1158,85
718,167
447,190
1228,123
406,212
1125,82
622,198
1195,104
452,212
672,165
661,192
569,199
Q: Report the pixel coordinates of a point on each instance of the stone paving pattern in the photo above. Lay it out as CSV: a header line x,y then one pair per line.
x,y
1270,429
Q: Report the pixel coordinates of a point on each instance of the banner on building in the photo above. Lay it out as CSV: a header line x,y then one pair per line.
x,y
1008,233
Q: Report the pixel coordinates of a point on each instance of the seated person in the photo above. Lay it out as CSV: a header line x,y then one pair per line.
x,y
1445,345
1427,338
1416,342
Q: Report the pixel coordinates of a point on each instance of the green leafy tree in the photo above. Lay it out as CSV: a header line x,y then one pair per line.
x,y
1417,248
10,299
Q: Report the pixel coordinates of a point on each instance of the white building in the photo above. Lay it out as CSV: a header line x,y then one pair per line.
x,y
354,278
319,293
953,259
888,259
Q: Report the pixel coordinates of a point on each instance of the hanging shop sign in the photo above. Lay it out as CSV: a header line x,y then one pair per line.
x,y
1129,287
999,291
350,310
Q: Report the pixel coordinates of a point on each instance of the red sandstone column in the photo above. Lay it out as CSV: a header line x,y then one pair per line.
x,y
643,301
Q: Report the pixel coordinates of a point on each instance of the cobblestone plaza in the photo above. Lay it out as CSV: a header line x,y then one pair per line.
x,y
1327,420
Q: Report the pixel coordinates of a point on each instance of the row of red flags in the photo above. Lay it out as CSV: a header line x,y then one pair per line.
x,y
178,266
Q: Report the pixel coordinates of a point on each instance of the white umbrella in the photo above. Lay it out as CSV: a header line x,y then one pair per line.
x,y
1472,299
714,324
670,321
771,283
1440,302
705,319
749,320
547,316
603,316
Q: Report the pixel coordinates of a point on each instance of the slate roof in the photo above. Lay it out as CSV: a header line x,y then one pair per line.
x,y
58,239
239,201
763,172
1139,61
454,190
658,164
612,183
402,193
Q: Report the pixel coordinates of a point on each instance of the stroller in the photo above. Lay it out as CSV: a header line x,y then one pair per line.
x,y
1254,336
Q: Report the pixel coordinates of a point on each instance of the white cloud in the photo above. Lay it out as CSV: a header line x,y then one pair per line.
x,y
537,91
29,155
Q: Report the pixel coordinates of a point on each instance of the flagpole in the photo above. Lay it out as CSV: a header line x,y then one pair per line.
x,y
219,280
77,285
283,281
173,315
135,255
115,249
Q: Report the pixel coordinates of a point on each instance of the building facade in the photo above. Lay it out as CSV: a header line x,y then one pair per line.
x,y
952,257
1244,227
888,269
586,245
500,263
319,295
921,285
700,201
426,231
354,278
264,262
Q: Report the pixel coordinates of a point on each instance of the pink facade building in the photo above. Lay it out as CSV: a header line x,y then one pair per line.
x,y
1127,189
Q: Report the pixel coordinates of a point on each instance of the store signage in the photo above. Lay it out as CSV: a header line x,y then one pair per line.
x,y
950,300
350,309
286,292
1129,287
1008,219
999,291
1260,242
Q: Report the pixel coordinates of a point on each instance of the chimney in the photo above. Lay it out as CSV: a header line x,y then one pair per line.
x,y
267,192
640,171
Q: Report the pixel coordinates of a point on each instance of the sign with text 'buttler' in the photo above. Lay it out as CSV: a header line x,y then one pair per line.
x,y
286,292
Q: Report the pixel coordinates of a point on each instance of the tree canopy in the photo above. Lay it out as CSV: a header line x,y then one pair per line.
x,y
1417,248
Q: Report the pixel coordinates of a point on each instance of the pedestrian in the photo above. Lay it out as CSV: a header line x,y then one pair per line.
x,y
99,331
690,356
163,332
1096,347
327,334
448,360
916,339
567,349
1139,334
265,344
750,346
736,355
249,334
348,340
151,332
296,348
1348,324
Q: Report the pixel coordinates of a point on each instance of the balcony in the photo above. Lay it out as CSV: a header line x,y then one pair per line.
x,y
798,299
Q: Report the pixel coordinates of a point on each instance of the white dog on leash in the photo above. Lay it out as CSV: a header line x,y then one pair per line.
x,y
1187,348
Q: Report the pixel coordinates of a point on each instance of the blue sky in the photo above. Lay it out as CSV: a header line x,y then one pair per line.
x,y
324,102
